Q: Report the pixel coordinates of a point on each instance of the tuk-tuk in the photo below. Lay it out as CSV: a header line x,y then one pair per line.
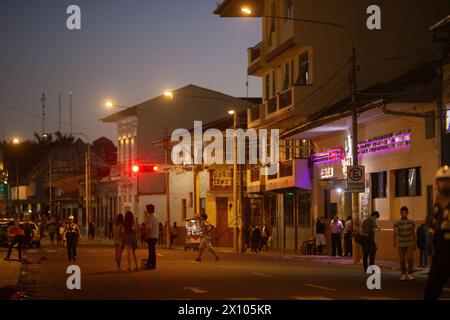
x,y
193,234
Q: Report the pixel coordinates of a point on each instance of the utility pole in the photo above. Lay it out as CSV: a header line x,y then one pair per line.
x,y
88,187
166,160
59,113
235,191
355,195
70,111
43,99
51,184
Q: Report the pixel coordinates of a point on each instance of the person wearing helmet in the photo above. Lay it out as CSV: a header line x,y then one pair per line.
x,y
439,223
72,235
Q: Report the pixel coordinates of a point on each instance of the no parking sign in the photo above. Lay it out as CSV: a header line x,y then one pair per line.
x,y
355,179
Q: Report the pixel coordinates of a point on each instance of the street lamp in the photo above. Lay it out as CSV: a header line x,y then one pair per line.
x,y
355,198
235,199
16,141
111,104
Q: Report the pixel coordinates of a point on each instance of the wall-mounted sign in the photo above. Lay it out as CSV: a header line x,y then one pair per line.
x,y
447,120
326,173
328,156
356,178
390,142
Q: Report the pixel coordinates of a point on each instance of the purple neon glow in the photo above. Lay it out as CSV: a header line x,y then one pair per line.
x,y
386,144
325,154
327,161
384,150
378,140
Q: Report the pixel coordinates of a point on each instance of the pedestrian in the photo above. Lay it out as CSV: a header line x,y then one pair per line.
x,y
207,229
142,232
57,232
424,244
369,227
72,234
405,241
321,243
62,233
174,234
336,230
152,235
348,233
52,232
130,239
118,232
439,222
161,234
91,230
264,238
16,236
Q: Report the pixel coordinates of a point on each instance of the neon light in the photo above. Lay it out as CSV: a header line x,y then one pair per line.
x,y
328,156
384,150
386,144
382,139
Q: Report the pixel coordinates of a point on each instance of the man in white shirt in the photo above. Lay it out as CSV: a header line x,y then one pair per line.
x,y
152,235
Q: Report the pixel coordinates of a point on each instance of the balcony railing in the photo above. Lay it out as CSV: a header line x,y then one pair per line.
x,y
255,113
272,105
254,53
285,99
286,168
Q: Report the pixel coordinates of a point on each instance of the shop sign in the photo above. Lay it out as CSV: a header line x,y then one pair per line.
x,y
326,173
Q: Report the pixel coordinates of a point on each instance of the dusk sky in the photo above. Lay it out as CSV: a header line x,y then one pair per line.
x,y
127,50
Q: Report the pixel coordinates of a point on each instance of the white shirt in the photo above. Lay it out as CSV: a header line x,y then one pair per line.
x,y
152,226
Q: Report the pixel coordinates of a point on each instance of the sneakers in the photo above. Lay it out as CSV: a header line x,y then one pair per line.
x,y
410,277
403,277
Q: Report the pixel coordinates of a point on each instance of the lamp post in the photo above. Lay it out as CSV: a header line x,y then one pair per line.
x,y
235,198
246,10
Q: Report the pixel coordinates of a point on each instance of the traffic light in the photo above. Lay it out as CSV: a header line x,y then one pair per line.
x,y
137,168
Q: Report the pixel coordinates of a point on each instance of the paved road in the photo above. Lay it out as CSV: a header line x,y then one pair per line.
x,y
235,276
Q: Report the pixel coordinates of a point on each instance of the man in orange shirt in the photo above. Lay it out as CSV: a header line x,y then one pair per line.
x,y
17,235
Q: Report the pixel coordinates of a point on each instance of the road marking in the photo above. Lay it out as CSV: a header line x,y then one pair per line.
x,y
262,275
311,298
159,254
195,290
319,287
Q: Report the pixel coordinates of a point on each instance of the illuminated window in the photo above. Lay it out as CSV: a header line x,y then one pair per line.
x,y
379,180
408,182
303,72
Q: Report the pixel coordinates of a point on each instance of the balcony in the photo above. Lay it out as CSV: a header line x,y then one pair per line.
x,y
291,174
254,114
254,58
280,103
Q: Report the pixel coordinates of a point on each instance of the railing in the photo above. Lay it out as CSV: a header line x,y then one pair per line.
x,y
286,169
255,113
272,105
285,99
254,174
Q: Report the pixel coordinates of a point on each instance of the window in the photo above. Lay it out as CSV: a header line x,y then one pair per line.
x,y
191,199
183,209
430,128
408,182
304,209
273,13
303,72
274,83
379,180
289,9
286,77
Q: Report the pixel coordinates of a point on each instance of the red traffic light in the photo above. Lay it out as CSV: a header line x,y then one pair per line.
x,y
145,168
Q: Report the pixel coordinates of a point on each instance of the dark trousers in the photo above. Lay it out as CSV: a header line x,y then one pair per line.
x,y
369,252
424,258
71,248
151,262
19,241
336,244
440,269
348,244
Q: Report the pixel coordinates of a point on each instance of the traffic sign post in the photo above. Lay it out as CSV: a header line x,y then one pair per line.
x,y
356,179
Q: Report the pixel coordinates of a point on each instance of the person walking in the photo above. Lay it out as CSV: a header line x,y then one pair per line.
x,y
369,227
336,230
161,234
206,238
130,239
72,234
62,233
52,231
152,235
255,238
118,232
321,242
110,229
423,243
91,230
174,234
405,241
348,233
439,223
16,236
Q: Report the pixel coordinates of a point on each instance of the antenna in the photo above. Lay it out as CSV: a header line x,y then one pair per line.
x,y
43,99
70,111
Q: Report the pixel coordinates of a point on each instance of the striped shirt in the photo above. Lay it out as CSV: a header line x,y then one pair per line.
x,y
405,232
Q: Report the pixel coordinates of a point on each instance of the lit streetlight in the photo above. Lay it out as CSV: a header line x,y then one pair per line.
x,y
246,10
16,141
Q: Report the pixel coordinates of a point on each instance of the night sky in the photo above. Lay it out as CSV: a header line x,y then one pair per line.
x,y
127,50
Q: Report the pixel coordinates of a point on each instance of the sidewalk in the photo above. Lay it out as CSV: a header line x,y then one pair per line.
x,y
9,276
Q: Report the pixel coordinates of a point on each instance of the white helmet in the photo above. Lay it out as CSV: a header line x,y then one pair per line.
x,y
443,173
71,217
